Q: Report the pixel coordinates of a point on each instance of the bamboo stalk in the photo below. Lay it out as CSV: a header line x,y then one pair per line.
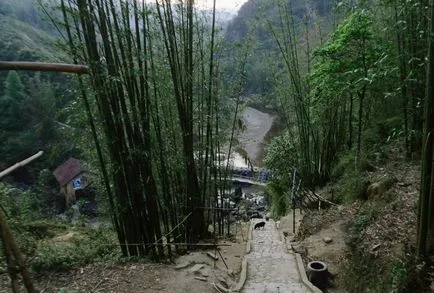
x,y
11,264
11,248
10,243
20,164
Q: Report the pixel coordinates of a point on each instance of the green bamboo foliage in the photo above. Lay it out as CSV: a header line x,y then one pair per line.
x,y
328,104
153,75
297,101
410,27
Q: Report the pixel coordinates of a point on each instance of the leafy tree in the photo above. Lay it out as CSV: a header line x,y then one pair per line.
x,y
41,110
349,63
15,138
30,123
12,102
345,92
281,157
14,87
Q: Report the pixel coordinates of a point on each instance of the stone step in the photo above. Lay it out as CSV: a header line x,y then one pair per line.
x,y
274,288
270,269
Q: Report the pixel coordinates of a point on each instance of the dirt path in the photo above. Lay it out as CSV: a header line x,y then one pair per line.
x,y
270,269
195,272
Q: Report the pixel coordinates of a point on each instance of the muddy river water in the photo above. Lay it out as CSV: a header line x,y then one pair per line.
x,y
257,126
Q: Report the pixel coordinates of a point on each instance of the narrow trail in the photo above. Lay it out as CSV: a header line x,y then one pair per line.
x,y
270,269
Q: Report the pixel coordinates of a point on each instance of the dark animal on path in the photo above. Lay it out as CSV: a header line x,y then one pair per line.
x,y
267,218
259,225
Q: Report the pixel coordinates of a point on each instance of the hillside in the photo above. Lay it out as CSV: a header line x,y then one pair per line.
x,y
253,15
26,34
24,42
335,102
372,240
252,29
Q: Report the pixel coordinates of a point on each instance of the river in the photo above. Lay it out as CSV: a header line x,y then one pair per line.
x,y
258,124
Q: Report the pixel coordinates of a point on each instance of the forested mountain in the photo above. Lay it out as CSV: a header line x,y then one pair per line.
x,y
159,112
254,24
253,16
40,99
28,12
26,33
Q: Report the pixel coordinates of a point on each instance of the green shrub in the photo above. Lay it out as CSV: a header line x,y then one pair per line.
x,y
245,204
383,131
398,276
352,186
279,201
361,272
40,229
347,165
365,274
24,205
281,157
350,178
362,220
91,246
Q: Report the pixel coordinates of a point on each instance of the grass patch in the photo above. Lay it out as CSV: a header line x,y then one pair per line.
x,y
87,247
362,220
53,246
365,272
361,270
350,177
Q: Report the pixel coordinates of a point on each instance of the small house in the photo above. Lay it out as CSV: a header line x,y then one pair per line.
x,y
73,177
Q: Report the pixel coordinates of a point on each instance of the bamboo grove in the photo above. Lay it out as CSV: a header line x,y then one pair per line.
x,y
369,81
153,79
366,77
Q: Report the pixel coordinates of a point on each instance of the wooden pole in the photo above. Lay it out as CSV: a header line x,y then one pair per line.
x,y
20,164
12,269
43,66
11,248
9,243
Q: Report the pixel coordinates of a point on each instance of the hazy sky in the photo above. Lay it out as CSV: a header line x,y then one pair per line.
x,y
232,5
222,4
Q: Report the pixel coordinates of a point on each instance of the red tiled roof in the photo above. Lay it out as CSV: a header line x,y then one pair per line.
x,y
68,171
